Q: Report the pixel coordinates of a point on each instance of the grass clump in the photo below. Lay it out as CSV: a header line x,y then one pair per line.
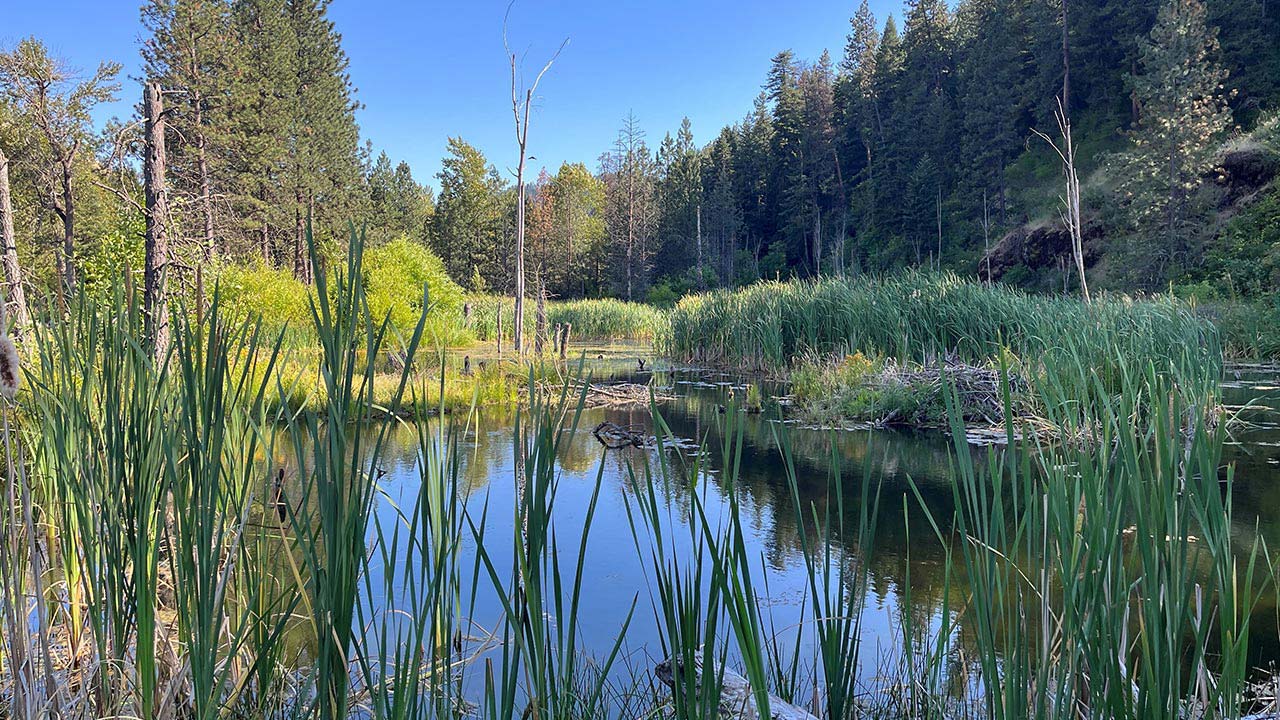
x,y
607,319
592,319
917,316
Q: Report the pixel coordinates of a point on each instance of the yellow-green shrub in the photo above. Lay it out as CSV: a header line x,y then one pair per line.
x,y
274,294
395,275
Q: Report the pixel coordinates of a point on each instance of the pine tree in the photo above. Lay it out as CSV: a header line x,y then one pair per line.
x,y
190,54
824,184
578,231
722,212
857,109
323,138
1184,113
680,195
469,221
55,106
630,176
789,192
888,176
398,205
260,119
992,74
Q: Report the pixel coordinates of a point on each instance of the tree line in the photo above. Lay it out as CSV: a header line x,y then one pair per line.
x,y
916,147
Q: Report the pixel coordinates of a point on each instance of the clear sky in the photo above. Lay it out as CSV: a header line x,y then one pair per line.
x,y
428,70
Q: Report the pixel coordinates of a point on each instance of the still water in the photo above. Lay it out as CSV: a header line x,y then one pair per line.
x,y
907,583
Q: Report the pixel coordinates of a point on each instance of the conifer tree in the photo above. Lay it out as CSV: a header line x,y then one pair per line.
x,y
469,222
578,230
1184,112
190,54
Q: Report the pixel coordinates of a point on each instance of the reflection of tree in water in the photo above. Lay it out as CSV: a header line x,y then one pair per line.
x,y
904,544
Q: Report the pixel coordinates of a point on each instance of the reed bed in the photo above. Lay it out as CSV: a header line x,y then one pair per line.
x,y
167,531
592,319
919,315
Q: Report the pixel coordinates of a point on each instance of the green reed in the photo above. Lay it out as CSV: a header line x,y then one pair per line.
x,y
915,315
1102,579
592,319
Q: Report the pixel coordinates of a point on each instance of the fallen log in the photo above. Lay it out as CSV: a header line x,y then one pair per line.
x,y
615,436
737,701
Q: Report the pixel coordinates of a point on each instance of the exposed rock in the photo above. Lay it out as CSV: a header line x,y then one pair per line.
x,y
1040,245
1244,169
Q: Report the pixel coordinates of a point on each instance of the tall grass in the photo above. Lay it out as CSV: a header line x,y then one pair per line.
x,y
915,315
1101,581
1105,579
598,319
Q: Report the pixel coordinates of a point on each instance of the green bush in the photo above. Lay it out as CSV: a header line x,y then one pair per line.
x,y
272,293
395,275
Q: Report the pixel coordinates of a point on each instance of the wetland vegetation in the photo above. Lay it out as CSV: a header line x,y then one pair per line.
x,y
883,403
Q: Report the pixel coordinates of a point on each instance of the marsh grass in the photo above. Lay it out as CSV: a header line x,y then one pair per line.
x,y
592,319
153,568
916,316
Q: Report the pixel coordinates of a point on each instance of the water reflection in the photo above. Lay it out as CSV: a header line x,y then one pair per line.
x,y
908,579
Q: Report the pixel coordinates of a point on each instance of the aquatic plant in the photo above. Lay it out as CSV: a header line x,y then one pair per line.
x,y
196,527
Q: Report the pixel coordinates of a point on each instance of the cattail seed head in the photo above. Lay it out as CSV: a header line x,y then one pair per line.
x,y
10,374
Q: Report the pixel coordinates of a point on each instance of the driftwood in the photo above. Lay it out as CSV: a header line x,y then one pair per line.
x,y
737,701
612,395
615,436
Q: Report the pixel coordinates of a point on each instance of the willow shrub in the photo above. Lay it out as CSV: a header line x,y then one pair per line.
x,y
396,273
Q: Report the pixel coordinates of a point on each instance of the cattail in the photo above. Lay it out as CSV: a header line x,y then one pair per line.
x,y
10,375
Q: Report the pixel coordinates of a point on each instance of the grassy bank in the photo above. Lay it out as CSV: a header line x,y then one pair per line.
x,y
153,566
860,347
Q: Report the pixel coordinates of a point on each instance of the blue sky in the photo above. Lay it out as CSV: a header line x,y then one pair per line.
x,y
428,70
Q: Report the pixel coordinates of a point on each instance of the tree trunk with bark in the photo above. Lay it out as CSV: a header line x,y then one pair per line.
x,y
520,112
14,296
67,211
155,302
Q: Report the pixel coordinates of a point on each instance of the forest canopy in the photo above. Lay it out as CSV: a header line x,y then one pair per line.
x,y
915,145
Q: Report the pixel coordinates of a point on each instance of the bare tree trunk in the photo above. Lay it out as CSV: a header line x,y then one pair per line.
x,y
68,215
155,302
14,295
1071,213
939,260
631,227
817,241
540,327
986,236
299,237
1066,61
208,241
521,115
569,244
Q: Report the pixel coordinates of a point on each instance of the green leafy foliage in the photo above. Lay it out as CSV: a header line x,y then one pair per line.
x,y
399,276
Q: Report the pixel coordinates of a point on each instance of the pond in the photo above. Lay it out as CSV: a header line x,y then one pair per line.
x,y
908,582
